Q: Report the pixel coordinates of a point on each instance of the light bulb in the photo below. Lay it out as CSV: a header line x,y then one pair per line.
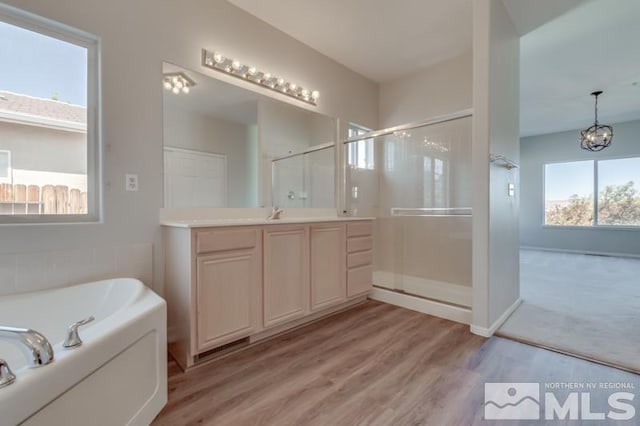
x,y
266,77
218,58
252,71
176,90
175,80
280,82
293,86
236,65
315,95
167,85
179,84
185,89
305,93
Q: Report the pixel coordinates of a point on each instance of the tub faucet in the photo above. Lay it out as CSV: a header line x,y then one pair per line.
x,y
275,213
35,346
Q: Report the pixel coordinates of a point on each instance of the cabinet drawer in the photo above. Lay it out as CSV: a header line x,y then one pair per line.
x,y
233,239
359,244
358,229
360,259
359,280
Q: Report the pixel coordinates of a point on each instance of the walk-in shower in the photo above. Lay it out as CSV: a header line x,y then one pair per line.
x,y
416,181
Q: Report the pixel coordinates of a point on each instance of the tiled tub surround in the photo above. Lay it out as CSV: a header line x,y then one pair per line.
x,y
42,270
117,376
230,282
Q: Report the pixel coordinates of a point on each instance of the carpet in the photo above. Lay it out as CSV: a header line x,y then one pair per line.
x,y
579,304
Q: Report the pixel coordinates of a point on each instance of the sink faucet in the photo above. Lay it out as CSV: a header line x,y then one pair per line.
x,y
34,345
275,213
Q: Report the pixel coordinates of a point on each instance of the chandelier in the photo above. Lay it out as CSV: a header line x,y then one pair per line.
x,y
598,136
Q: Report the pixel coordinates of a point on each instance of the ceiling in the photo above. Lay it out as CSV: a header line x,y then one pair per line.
x,y
594,46
380,39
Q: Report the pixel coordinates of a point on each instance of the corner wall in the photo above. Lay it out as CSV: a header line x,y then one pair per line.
x,y
438,90
496,75
564,146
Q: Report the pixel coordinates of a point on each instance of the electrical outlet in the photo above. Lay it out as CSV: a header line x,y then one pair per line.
x,y
511,190
131,182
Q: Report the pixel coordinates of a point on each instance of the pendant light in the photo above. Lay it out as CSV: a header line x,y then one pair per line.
x,y
597,137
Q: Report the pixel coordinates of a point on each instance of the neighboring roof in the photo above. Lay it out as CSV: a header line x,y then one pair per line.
x,y
39,111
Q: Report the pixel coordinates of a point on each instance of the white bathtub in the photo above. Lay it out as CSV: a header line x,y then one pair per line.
x,y
117,377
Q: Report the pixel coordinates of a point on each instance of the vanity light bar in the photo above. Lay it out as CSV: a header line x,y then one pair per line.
x,y
218,62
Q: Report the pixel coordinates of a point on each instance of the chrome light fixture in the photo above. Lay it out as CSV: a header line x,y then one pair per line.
x,y
177,82
217,61
597,137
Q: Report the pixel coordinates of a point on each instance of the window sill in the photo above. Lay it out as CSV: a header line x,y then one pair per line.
x,y
594,227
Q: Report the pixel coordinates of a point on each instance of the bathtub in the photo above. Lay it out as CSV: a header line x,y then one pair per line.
x,y
118,376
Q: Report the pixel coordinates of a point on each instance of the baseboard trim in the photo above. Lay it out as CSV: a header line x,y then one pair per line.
x,y
488,332
588,252
426,306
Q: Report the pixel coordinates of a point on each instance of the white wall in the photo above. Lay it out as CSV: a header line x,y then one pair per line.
x,y
238,142
495,130
564,146
441,89
137,36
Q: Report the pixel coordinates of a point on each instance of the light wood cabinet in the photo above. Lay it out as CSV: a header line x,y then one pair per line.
x,y
227,297
285,274
231,286
359,258
328,280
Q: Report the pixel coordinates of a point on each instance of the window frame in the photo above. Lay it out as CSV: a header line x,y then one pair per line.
x,y
48,27
367,145
596,225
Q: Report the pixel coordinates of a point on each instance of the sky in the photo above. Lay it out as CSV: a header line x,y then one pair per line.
x,y
565,179
37,65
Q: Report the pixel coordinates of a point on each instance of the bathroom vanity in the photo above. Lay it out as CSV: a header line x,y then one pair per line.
x,y
232,282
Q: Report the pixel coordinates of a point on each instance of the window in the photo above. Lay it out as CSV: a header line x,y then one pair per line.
x,y
360,154
49,162
5,166
570,190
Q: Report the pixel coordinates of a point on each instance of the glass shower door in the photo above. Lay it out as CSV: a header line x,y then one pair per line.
x,y
416,183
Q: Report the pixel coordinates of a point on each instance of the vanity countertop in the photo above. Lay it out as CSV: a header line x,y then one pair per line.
x,y
208,223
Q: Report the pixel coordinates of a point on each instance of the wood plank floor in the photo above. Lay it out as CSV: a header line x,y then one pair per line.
x,y
376,364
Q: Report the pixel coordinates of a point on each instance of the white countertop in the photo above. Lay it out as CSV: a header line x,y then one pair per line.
x,y
206,223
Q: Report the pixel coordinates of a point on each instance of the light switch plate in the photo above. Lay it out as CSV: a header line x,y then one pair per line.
x,y
131,182
512,190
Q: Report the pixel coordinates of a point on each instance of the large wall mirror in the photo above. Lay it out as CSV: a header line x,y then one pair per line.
x,y
225,146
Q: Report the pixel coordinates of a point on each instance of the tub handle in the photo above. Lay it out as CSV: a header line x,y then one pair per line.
x,y
6,376
73,339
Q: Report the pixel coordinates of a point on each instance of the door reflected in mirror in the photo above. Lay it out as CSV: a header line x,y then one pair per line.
x,y
220,143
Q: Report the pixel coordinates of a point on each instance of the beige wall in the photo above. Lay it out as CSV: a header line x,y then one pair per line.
x,y
441,89
40,148
238,142
137,36
495,130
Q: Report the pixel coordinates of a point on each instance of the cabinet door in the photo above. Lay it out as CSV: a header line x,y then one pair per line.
x,y
327,269
227,297
286,280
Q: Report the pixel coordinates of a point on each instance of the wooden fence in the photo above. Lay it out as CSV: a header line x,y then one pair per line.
x,y
47,199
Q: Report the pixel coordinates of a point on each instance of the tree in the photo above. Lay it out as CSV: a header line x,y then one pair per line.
x,y
617,205
578,212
